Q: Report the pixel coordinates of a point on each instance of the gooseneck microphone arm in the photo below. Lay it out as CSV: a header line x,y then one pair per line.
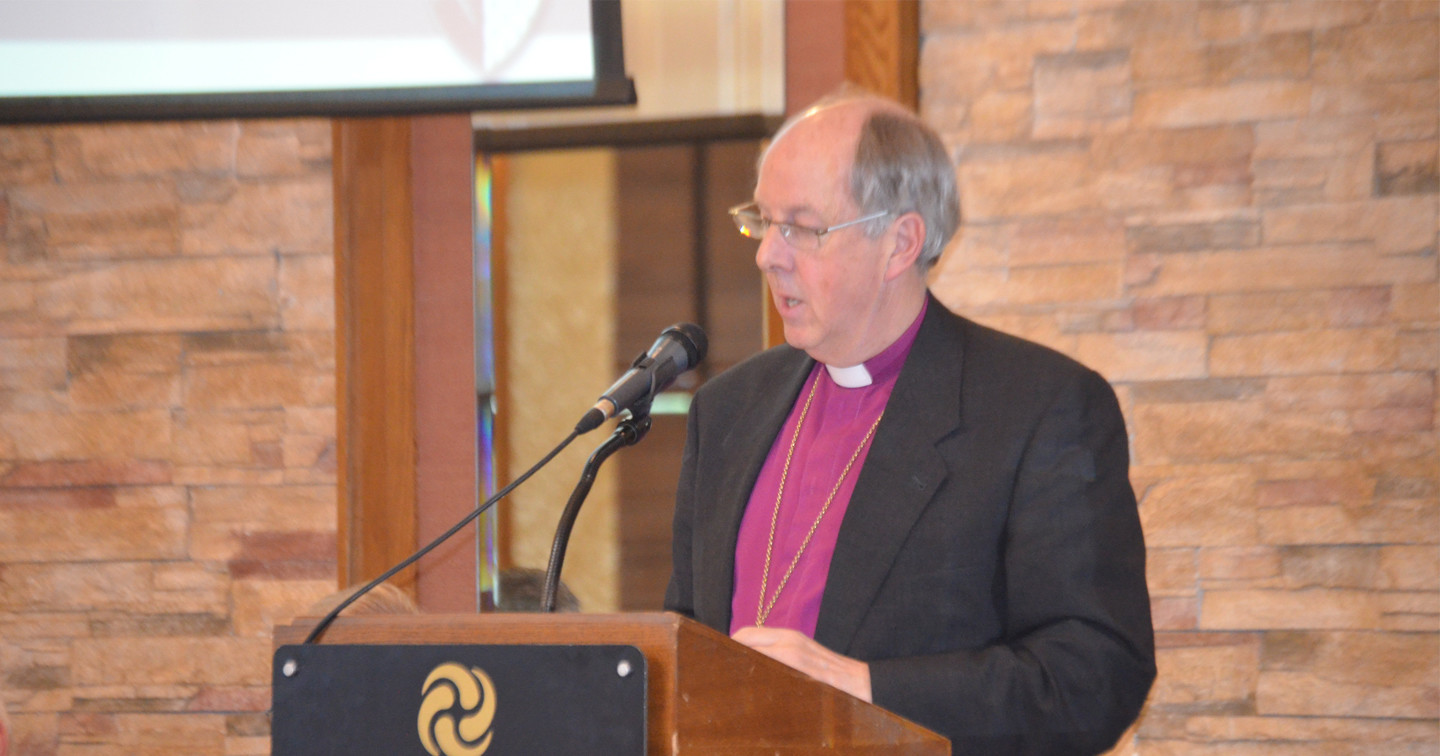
x,y
324,623
679,348
627,433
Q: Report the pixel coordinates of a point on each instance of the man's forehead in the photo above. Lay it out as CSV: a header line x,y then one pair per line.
x,y
816,149
807,166
820,142
804,177
837,124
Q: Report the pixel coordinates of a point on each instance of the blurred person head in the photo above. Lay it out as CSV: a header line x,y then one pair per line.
x,y
382,599
522,588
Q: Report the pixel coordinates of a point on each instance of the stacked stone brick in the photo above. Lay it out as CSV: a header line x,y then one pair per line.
x,y
1230,210
167,427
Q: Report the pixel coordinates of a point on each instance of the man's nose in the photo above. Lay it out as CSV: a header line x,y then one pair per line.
x,y
773,253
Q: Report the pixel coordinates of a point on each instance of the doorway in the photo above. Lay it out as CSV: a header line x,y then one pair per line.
x,y
675,256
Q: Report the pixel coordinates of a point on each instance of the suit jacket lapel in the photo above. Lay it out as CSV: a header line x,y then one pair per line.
x,y
902,472
759,419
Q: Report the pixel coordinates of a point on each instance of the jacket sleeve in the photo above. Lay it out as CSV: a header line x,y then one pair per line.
x,y
1076,659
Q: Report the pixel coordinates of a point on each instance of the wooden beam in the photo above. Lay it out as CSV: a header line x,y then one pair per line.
x,y
442,169
374,346
404,288
882,48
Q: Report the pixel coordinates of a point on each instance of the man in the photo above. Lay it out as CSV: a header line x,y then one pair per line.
x,y
918,510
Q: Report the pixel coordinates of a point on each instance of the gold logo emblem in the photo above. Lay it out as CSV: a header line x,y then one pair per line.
x,y
440,733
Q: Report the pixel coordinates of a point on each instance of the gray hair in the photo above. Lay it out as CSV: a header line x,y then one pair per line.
x,y
901,166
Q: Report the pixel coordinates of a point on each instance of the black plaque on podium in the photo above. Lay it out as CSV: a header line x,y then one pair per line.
x,y
458,700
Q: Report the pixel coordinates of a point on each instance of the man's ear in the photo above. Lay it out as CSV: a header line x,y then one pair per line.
x,y
909,235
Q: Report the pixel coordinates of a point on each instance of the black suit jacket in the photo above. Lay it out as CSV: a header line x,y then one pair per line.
x,y
990,566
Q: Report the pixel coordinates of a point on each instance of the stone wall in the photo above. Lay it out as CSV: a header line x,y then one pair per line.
x,y
167,426
1230,210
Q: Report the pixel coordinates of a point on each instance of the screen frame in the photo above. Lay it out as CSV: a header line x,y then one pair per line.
x,y
611,86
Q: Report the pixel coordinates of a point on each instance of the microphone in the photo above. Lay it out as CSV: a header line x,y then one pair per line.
x,y
679,348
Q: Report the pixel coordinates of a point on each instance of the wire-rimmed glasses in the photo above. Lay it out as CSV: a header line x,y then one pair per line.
x,y
753,225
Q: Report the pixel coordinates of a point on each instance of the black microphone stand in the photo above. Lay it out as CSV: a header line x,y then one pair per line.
x,y
627,433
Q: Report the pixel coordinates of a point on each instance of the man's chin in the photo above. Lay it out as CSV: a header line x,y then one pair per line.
x,y
796,337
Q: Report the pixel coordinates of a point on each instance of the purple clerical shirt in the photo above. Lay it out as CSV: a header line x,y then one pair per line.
x,y
836,424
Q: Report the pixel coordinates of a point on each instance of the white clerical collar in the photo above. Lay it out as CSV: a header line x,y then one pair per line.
x,y
855,376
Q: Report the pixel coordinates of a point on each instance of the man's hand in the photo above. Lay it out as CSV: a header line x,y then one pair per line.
x,y
799,652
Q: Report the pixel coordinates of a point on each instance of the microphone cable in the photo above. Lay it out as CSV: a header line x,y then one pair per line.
x,y
329,618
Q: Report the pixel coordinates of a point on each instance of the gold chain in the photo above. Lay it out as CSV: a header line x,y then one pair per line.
x,y
762,608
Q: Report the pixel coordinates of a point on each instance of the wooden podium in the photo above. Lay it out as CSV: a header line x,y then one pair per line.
x,y
707,695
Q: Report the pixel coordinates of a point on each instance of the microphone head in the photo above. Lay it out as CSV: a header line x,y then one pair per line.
x,y
692,338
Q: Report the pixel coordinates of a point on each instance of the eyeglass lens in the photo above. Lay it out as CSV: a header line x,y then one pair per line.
x,y
754,226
